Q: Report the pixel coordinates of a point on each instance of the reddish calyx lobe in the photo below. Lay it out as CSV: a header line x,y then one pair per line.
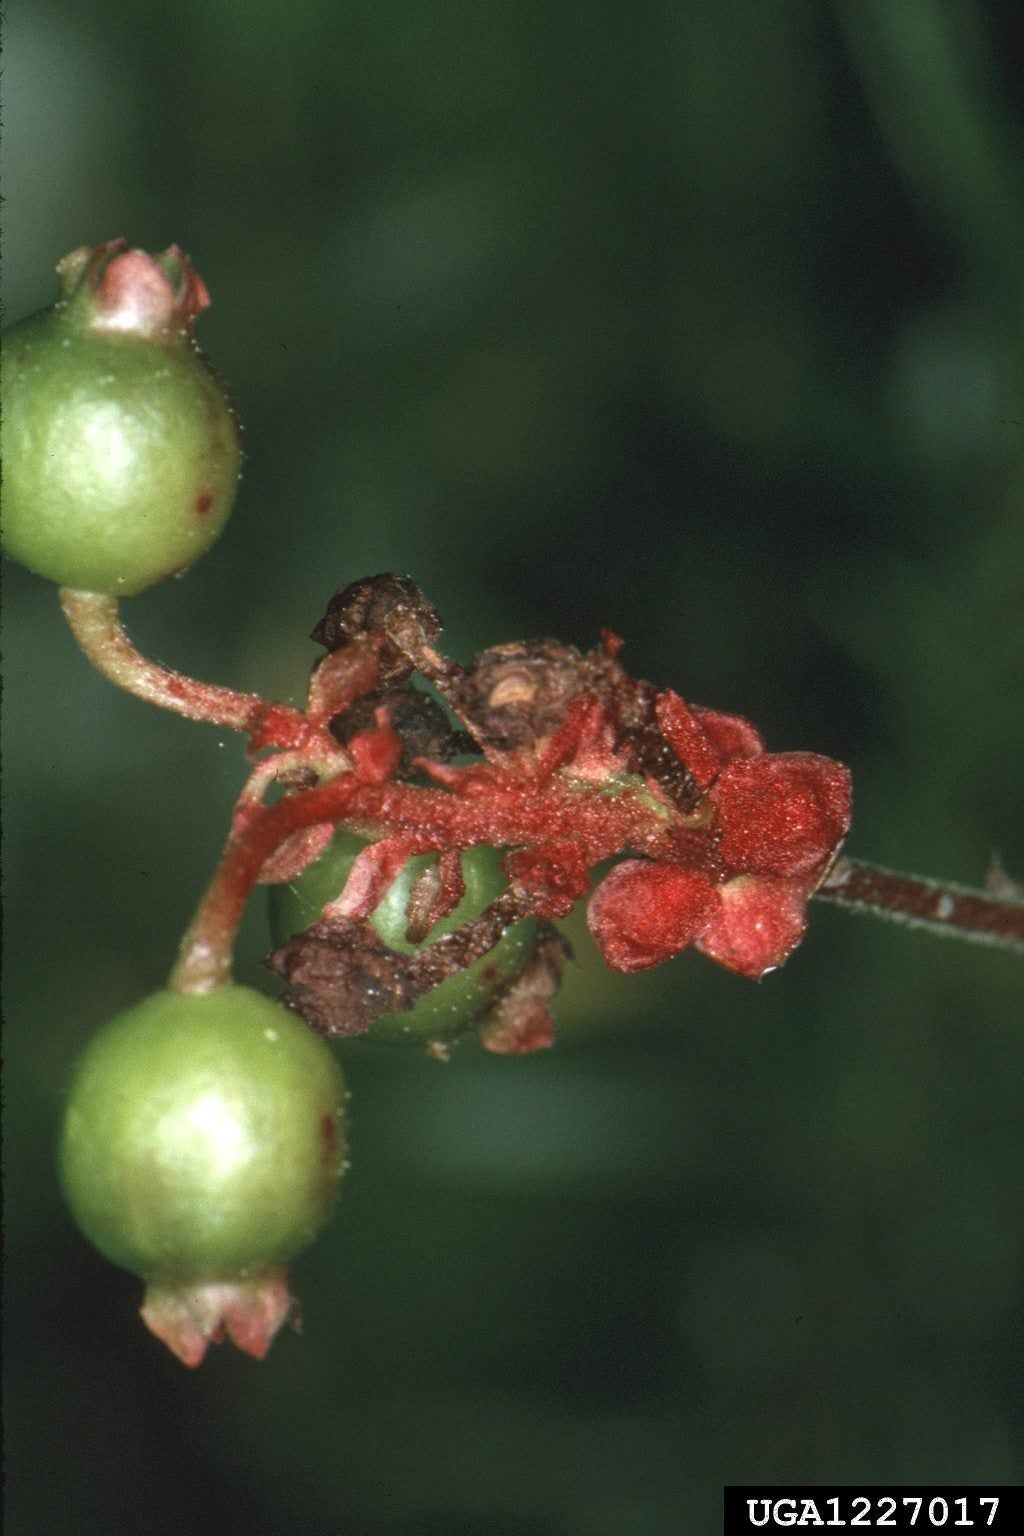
x,y
190,1316
112,288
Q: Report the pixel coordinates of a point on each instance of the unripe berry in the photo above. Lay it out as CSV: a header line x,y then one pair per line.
x,y
121,451
450,1009
202,1147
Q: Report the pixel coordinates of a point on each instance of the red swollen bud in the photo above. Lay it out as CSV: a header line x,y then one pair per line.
x,y
644,913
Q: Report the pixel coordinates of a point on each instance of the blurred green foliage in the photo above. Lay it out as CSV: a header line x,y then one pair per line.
x,y
700,321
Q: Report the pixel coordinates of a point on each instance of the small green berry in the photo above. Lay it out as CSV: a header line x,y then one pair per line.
x,y
202,1146
121,451
451,1008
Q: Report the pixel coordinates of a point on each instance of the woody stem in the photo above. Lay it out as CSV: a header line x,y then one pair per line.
x,y
984,917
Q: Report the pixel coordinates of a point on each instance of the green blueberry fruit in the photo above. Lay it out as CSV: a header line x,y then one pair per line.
x,y
202,1146
121,451
449,1009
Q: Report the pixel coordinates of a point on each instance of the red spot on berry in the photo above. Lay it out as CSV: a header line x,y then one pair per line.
x,y
329,1136
204,501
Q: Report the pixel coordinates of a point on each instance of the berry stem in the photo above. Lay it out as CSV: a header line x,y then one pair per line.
x,y
982,917
204,957
95,623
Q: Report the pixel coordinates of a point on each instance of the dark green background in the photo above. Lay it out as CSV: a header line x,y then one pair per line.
x,y
699,320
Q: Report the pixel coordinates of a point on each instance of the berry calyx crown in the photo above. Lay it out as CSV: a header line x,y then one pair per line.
x,y
114,288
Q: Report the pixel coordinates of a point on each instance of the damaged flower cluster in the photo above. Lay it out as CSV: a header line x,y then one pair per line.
x,y
574,762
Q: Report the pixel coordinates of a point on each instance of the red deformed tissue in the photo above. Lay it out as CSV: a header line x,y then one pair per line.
x,y
643,913
783,813
759,923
